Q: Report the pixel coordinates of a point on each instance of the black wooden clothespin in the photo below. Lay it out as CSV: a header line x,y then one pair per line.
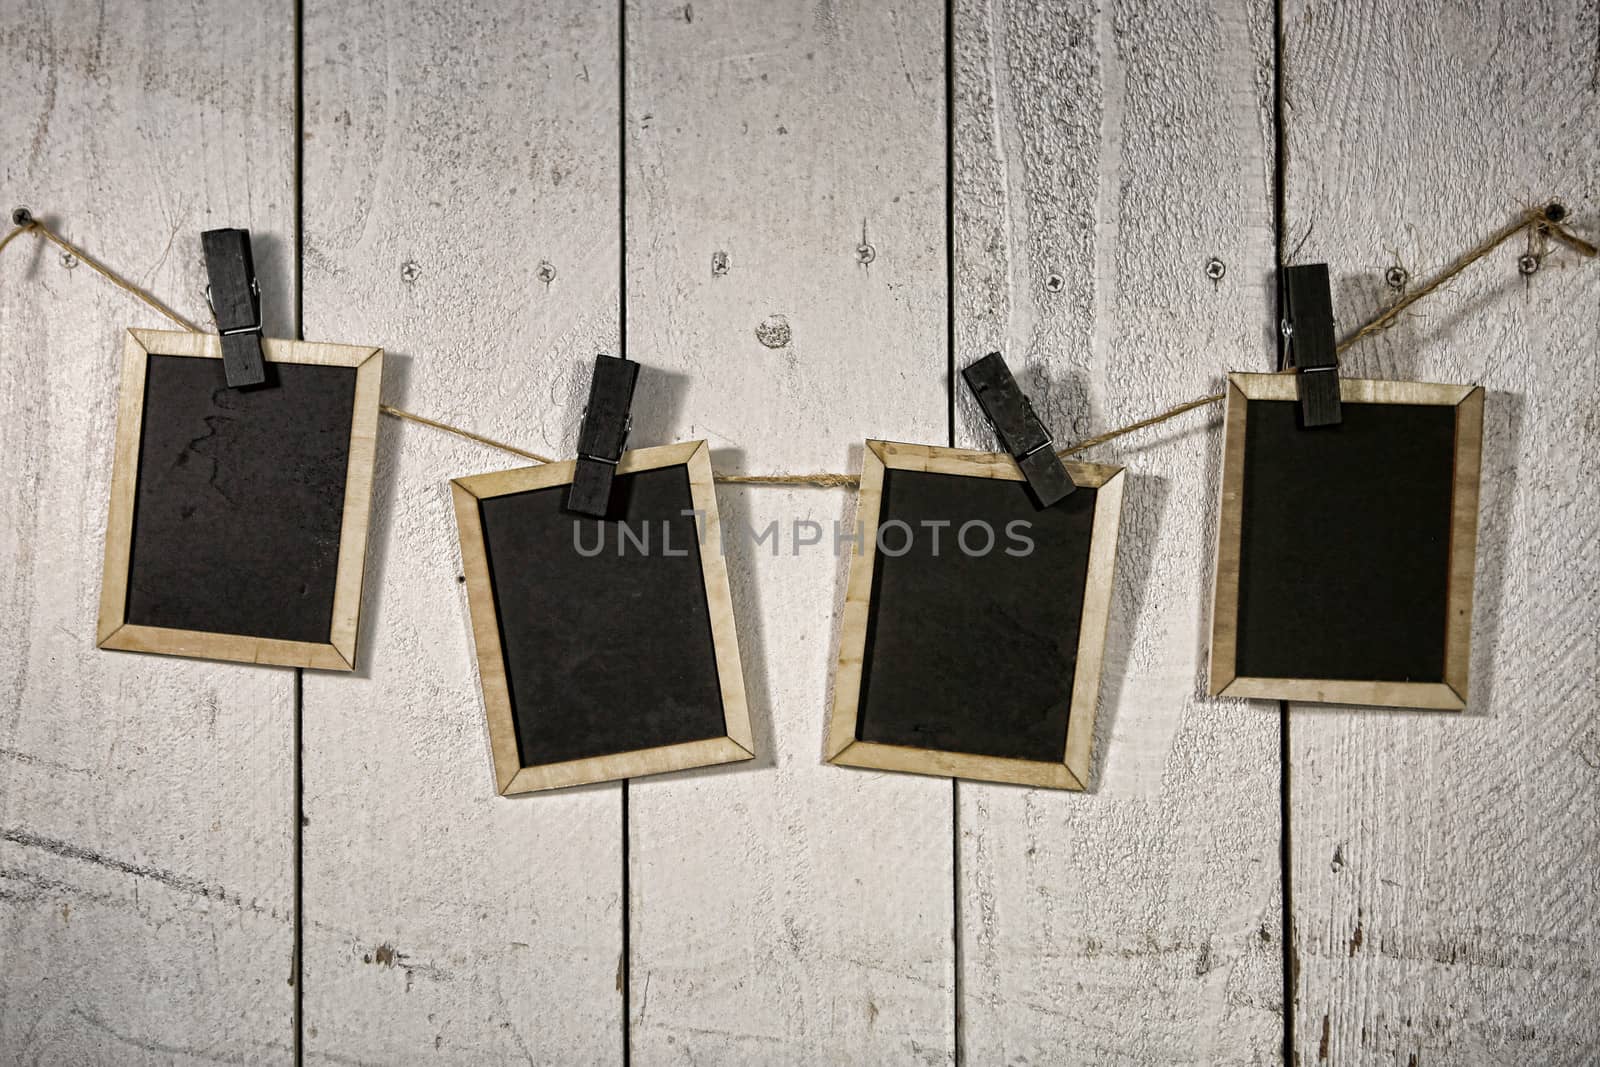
x,y
604,435
1308,333
1021,433
235,299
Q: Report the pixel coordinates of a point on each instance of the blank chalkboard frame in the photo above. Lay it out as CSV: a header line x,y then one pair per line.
x,y
511,775
844,747
1450,694
338,653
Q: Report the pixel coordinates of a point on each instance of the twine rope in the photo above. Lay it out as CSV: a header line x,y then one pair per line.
x,y
459,432
820,480
33,225
1544,220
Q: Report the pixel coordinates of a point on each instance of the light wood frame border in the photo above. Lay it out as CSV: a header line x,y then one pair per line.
x,y
1448,695
510,775
338,653
1072,772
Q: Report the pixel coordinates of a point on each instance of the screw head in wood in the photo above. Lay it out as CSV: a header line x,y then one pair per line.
x,y
410,271
1528,263
1054,283
1396,277
1555,211
547,272
69,261
719,264
1215,269
865,253
21,217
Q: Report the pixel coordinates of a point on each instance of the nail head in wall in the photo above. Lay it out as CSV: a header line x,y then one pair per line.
x,y
410,271
719,264
21,217
547,272
1396,277
865,253
774,331
1215,269
69,261
1528,263
1555,211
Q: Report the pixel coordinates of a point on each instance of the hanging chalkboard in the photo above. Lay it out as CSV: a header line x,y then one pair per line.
x,y
238,521
1345,553
974,621
606,647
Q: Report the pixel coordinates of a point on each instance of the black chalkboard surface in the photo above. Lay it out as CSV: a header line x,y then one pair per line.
x,y
1345,552
605,646
975,620
974,652
238,516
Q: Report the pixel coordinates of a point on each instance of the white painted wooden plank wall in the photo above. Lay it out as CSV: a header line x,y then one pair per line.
x,y
1444,894
146,887
784,911
447,154
1103,158
1447,907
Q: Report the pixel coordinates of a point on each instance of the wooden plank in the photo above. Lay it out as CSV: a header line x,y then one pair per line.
x,y
449,152
1445,900
785,911
1103,157
145,802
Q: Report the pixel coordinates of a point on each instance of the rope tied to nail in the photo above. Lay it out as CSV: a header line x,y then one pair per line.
x,y
1545,220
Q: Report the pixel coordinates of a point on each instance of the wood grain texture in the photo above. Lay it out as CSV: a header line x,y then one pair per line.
x,y
145,802
785,911
448,152
1445,900
1102,157
786,283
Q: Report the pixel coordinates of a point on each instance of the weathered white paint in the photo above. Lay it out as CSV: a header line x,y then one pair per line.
x,y
785,911
145,852
1446,904
444,923
1112,153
